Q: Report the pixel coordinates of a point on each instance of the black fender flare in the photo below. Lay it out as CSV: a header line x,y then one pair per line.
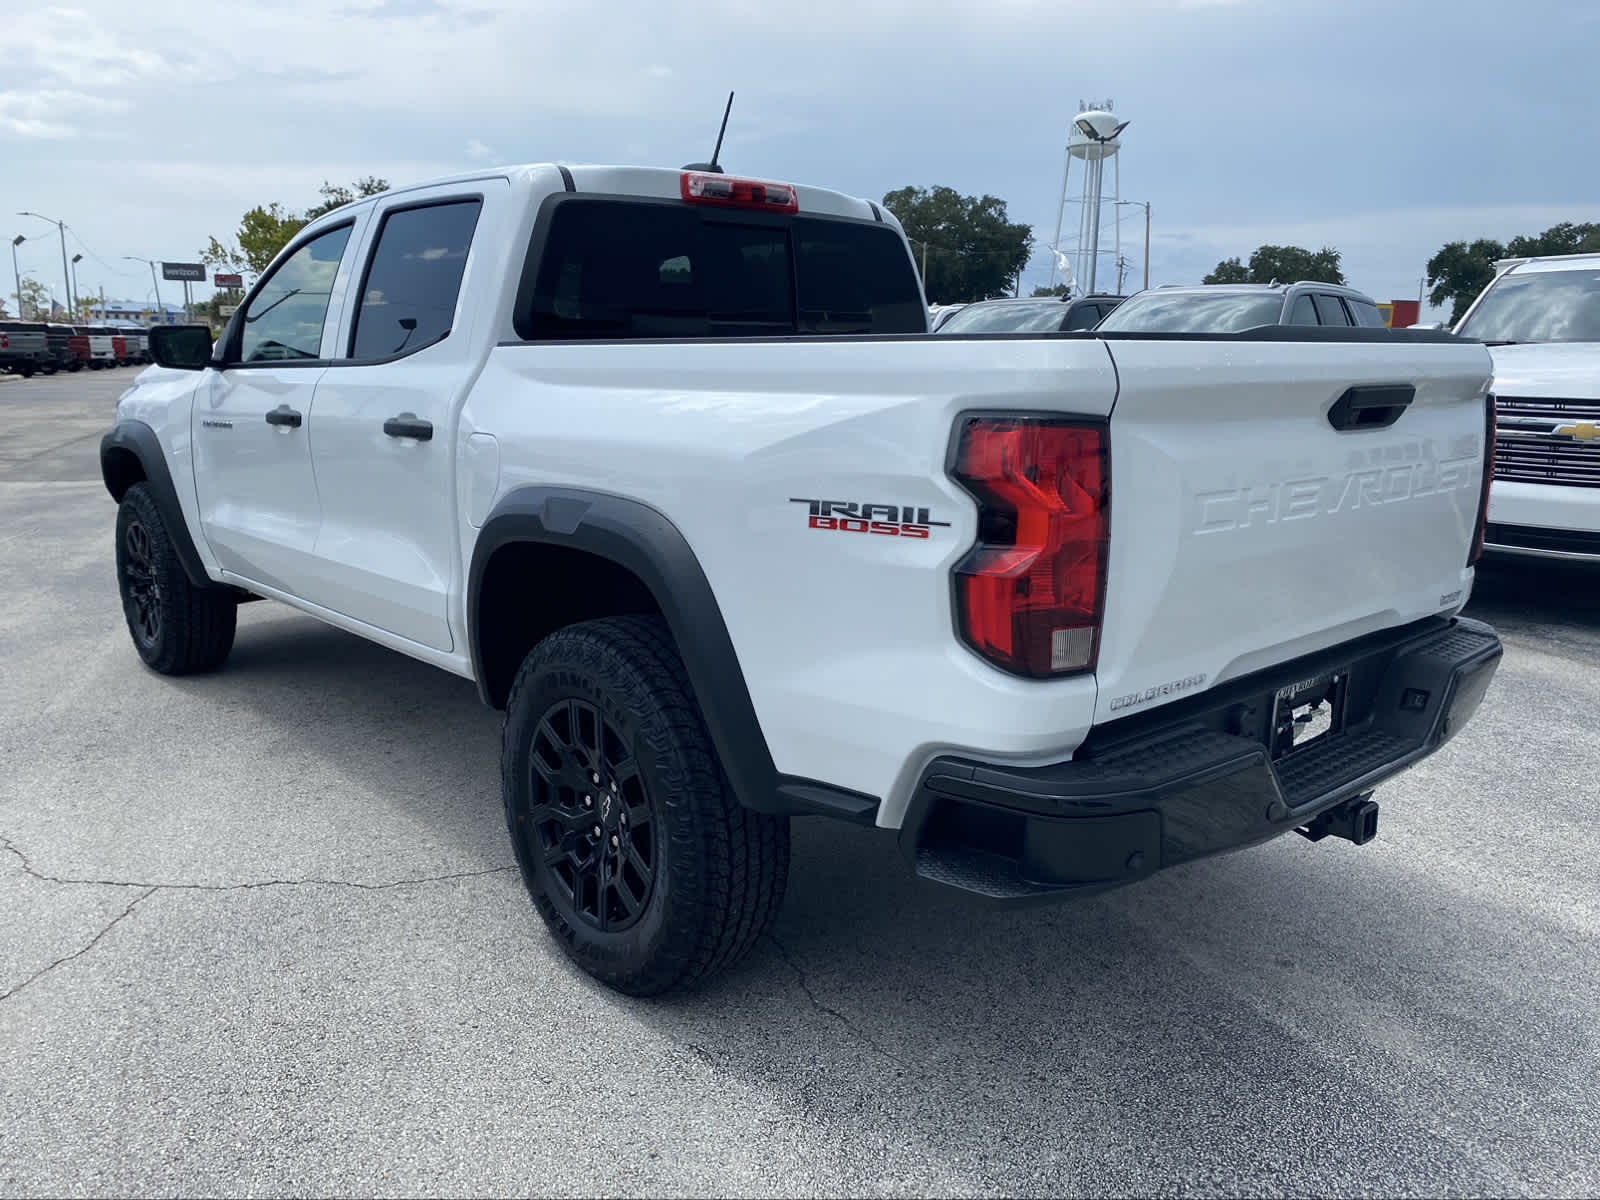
x,y
645,542
138,439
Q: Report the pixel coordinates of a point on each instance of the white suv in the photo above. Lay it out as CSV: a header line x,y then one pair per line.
x,y
1541,320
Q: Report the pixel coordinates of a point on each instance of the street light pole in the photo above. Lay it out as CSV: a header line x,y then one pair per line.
x,y
61,227
160,312
15,270
77,297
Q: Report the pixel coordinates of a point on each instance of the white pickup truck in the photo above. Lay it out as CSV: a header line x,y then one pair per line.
x,y
667,462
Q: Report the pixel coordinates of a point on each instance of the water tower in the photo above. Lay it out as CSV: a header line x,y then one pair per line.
x,y
1095,137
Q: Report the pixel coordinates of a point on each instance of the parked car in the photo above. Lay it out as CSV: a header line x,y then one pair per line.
x,y
938,314
24,348
1037,314
1541,320
607,441
1231,307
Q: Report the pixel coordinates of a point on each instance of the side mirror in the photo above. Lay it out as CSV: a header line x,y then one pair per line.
x,y
182,347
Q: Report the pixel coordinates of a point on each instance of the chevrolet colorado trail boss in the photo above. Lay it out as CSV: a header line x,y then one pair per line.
x,y
668,463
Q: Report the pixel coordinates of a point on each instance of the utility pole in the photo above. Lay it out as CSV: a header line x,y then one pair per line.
x,y
1144,204
61,227
160,313
15,242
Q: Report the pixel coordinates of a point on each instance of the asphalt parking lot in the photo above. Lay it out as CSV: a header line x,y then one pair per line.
x,y
262,936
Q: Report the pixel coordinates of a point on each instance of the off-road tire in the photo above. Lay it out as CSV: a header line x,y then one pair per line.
x,y
718,870
177,628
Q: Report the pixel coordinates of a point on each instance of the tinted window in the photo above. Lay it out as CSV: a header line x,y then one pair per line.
x,y
617,269
284,320
1331,310
1303,312
409,297
1367,314
1544,306
1085,316
1043,317
1191,312
855,279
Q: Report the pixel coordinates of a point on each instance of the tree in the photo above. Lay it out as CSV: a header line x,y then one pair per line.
x,y
33,301
267,229
1229,270
1460,271
336,197
1060,289
1285,264
971,250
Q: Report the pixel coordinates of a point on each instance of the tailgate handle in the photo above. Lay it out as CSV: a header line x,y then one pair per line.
x,y
1374,406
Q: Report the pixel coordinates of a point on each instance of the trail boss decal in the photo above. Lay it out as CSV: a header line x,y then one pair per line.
x,y
886,520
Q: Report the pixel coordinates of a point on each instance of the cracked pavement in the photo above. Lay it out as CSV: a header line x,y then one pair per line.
x,y
262,936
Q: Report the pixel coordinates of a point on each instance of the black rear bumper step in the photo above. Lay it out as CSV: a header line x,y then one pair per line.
x,y
1202,776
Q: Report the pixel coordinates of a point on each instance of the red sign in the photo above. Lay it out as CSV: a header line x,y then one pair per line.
x,y
1406,314
232,281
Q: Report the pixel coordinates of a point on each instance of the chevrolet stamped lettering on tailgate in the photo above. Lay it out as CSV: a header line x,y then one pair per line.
x,y
1330,495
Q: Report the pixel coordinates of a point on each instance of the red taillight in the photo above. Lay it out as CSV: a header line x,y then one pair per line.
x,y
1488,477
739,193
1030,595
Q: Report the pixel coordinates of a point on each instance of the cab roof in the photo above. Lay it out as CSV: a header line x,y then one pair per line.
x,y
663,183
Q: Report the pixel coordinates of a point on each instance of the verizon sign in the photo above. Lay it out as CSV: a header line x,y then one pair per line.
x,y
189,272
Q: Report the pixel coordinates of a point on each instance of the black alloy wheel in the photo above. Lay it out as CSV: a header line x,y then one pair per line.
x,y
593,818
141,591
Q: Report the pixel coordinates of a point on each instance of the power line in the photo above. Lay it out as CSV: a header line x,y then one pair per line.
x,y
105,265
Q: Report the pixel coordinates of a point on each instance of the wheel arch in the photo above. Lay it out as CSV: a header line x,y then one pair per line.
x,y
644,564
130,453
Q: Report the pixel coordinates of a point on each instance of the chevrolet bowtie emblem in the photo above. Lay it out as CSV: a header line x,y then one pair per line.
x,y
1583,431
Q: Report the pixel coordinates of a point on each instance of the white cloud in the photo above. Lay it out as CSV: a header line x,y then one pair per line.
x,y
53,113
477,150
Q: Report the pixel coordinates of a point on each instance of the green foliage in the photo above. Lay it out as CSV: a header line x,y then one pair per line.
x,y
335,197
1229,270
972,251
265,230
1286,264
1459,271
33,302
1060,289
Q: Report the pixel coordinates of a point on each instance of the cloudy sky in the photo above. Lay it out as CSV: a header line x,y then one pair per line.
x,y
1381,127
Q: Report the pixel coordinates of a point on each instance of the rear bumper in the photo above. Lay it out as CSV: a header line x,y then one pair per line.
x,y
1200,776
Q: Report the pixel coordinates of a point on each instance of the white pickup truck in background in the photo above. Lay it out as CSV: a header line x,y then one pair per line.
x,y
1541,320
668,464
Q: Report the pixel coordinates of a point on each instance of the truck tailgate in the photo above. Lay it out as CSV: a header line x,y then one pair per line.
x,y
1246,530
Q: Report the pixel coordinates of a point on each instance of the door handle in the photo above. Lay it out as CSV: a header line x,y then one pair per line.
x,y
409,425
1371,407
284,415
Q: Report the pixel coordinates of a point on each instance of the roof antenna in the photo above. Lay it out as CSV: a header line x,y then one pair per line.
x,y
716,153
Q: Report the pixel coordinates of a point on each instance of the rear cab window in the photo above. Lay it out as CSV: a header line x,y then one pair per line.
x,y
614,268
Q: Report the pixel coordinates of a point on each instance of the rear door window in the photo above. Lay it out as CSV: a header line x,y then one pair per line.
x,y
1303,312
630,269
408,299
1331,310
